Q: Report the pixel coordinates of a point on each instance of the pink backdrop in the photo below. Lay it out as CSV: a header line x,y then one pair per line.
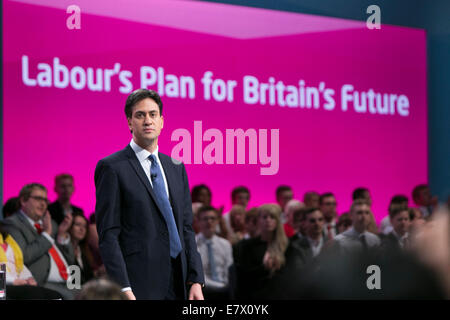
x,y
50,130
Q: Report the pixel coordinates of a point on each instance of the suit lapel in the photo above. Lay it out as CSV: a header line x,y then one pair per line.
x,y
136,165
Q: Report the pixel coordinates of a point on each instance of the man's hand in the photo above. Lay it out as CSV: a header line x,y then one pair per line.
x,y
130,295
65,226
20,282
195,293
47,223
31,282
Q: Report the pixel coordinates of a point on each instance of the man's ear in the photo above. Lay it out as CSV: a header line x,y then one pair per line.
x,y
162,122
129,124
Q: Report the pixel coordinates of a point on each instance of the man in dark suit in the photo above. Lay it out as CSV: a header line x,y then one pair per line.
x,y
64,188
398,238
311,245
144,212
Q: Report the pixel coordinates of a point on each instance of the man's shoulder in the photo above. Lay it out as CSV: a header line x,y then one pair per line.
x,y
116,157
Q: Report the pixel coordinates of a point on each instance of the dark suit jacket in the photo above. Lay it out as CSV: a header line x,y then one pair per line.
x,y
133,236
35,247
304,248
57,212
390,243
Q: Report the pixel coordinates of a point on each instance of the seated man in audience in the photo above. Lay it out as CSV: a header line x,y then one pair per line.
x,y
35,233
327,203
311,199
64,188
398,238
312,244
216,254
288,226
397,200
357,238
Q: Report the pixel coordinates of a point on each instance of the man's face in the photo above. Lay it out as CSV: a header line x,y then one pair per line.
x,y
312,201
238,218
146,122
242,199
284,197
314,224
64,188
361,217
401,222
36,205
207,223
328,207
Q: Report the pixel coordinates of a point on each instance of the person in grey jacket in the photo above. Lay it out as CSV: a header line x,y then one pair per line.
x,y
46,247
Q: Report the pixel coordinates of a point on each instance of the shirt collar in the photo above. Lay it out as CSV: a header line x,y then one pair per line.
x,y
398,237
141,153
31,221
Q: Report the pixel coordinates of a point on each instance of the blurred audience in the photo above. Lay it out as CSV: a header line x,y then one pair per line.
x,y
289,226
421,195
239,196
398,200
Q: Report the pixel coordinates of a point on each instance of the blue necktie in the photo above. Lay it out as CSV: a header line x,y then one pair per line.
x,y
163,201
212,261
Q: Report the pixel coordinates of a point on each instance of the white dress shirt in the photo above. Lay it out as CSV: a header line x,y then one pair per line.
x,y
223,258
351,239
316,246
53,275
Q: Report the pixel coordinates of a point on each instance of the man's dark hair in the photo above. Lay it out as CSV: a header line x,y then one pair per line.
x,y
282,188
301,213
240,189
325,195
25,192
196,191
417,189
396,209
358,193
138,95
399,199
11,206
204,209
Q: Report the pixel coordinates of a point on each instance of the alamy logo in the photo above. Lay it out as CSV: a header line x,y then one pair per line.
x,y
74,20
374,21
374,281
74,279
221,147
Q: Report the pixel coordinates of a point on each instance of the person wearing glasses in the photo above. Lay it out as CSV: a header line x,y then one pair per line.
x,y
327,205
46,248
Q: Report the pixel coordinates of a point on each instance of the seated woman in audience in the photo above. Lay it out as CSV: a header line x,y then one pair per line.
x,y
237,223
79,237
260,261
20,284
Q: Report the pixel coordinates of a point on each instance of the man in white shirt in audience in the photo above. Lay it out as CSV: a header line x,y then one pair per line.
x,y
357,238
216,254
